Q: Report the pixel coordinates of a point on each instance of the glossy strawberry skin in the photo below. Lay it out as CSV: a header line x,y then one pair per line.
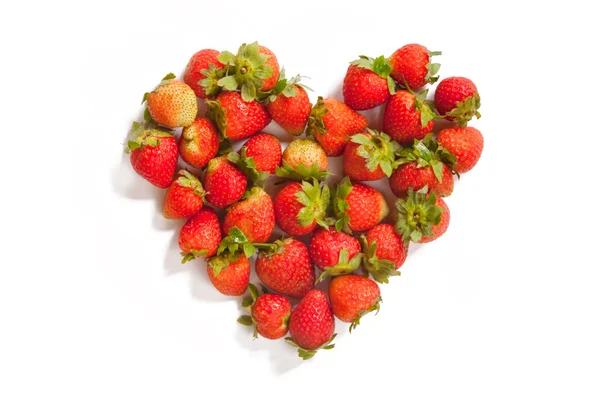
x,y
173,104
181,202
232,280
306,152
271,313
452,90
201,232
224,182
199,61
269,83
265,149
441,228
465,143
389,244
341,122
254,216
402,121
364,89
156,164
312,322
410,176
291,113
410,63
355,166
289,272
242,119
366,207
287,207
351,294
199,143
325,246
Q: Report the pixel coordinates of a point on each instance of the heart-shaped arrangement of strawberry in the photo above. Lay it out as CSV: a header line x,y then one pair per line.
x,y
346,223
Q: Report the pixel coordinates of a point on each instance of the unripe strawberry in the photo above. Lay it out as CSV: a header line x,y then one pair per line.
x,y
199,143
172,103
302,160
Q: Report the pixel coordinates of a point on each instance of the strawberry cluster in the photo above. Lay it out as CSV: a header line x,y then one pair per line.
x,y
347,223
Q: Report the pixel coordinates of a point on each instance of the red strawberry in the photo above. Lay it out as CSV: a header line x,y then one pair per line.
x,y
225,183
200,235
153,154
385,252
352,297
457,99
335,253
311,325
270,314
184,198
236,118
172,103
302,160
332,123
229,273
289,104
466,144
299,207
369,156
253,215
411,65
259,157
202,73
358,207
285,267
199,143
422,217
407,117
368,83
426,163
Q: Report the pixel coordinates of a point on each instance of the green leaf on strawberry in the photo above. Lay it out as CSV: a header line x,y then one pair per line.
x,y
380,270
417,214
344,266
301,172
316,202
308,354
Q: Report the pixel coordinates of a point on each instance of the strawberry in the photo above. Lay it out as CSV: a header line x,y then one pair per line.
x,y
358,207
253,215
285,267
422,217
200,235
412,67
224,182
303,159
153,154
229,273
407,117
184,198
172,103
202,73
289,104
426,163
199,143
353,296
384,251
270,314
369,156
259,157
466,144
311,325
300,207
335,253
367,83
458,100
332,123
236,118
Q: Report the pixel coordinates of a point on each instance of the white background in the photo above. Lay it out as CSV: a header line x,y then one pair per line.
x,y
95,305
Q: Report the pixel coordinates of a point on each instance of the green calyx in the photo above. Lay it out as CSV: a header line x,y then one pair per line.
x,y
316,201
424,106
192,255
433,68
146,134
218,115
375,307
427,152
211,81
379,150
344,266
417,214
380,66
248,302
340,204
236,242
245,71
315,120
308,354
301,172
380,270
186,179
466,110
220,262
284,86
248,167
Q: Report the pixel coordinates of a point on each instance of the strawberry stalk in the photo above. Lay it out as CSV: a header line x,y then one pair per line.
x,y
308,354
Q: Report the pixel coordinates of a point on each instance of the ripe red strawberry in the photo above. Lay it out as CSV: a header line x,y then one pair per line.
x,y
172,103
426,163
302,160
184,198
285,267
411,65
335,253
236,118
422,217
259,157
153,154
385,252
199,143
466,144
352,297
202,73
230,274
289,104
299,207
332,123
270,314
407,117
369,156
200,235
225,183
358,207
457,99
253,215
311,325
368,83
